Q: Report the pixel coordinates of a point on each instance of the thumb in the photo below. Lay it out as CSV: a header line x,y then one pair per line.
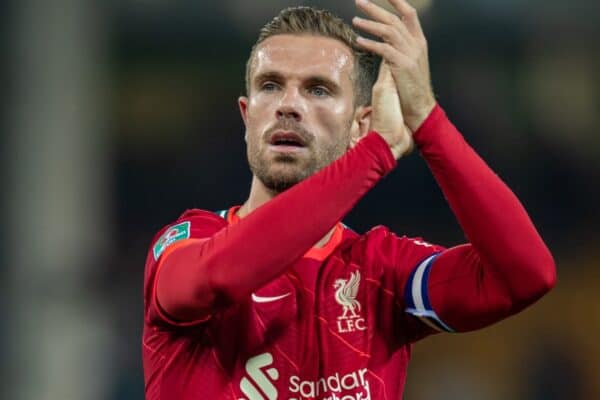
x,y
385,75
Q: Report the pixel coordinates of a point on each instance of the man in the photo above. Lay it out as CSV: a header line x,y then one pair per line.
x,y
276,299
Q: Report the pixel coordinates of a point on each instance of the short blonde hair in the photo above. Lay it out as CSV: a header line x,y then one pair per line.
x,y
311,21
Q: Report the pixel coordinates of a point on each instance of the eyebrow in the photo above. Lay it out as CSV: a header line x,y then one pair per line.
x,y
311,80
268,76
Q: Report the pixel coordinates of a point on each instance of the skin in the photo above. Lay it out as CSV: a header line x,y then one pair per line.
x,y
303,84
403,46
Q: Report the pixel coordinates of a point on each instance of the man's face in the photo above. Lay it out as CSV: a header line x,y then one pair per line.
x,y
300,108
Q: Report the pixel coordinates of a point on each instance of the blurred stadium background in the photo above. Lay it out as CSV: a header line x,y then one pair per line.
x,y
118,115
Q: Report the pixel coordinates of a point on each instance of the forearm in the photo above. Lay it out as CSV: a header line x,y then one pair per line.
x,y
492,218
244,256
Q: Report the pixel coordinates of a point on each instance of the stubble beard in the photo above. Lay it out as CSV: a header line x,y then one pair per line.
x,y
286,170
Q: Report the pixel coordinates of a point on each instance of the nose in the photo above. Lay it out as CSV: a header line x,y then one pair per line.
x,y
286,112
290,105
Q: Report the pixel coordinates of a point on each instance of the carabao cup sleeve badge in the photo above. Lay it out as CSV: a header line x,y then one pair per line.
x,y
173,234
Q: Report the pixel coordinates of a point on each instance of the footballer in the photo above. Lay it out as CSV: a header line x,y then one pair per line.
x,y
276,298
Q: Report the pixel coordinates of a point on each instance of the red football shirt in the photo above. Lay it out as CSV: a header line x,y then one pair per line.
x,y
331,327
260,317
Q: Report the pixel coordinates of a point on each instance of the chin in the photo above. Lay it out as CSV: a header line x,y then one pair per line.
x,y
281,179
282,171
281,182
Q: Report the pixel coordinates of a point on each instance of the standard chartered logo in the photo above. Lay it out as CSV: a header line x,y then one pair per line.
x,y
350,386
259,382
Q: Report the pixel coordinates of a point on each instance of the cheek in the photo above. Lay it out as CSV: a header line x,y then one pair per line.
x,y
253,120
251,113
259,114
335,120
252,134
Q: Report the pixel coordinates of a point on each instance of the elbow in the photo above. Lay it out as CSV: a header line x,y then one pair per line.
x,y
541,278
546,271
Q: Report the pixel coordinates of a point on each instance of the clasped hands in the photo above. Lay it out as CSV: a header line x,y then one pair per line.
x,y
402,95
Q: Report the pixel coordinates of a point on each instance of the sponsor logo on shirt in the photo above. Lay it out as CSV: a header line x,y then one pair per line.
x,y
173,234
345,296
351,386
258,384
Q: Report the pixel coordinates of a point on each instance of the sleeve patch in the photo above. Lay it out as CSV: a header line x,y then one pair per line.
x,y
173,234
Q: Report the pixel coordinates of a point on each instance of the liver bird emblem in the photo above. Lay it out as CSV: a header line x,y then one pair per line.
x,y
345,295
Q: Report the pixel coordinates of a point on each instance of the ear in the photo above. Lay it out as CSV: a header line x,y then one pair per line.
x,y
243,104
360,124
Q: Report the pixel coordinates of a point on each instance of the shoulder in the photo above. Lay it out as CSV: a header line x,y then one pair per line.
x,y
200,217
381,235
198,220
193,223
382,245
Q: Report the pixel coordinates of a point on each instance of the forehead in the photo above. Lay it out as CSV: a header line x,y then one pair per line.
x,y
303,56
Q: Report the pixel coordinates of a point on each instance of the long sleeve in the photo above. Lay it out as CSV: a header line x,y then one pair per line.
x,y
505,267
196,276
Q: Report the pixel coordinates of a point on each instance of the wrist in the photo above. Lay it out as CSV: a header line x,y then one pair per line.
x,y
416,119
430,130
379,147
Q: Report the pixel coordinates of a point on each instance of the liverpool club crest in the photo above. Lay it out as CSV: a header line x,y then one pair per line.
x,y
345,295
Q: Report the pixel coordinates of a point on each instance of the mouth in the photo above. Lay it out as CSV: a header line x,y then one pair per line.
x,y
287,142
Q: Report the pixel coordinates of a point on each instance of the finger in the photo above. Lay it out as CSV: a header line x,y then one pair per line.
x,y
385,74
382,15
384,50
410,16
384,83
378,13
386,32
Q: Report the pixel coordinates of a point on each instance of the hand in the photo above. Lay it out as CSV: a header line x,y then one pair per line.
x,y
386,118
404,48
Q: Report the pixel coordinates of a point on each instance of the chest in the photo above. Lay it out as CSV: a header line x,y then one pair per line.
x,y
334,298
316,330
317,314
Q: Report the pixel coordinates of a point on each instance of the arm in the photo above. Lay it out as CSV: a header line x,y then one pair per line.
x,y
196,276
507,265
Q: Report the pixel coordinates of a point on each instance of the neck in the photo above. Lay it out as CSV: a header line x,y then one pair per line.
x,y
259,195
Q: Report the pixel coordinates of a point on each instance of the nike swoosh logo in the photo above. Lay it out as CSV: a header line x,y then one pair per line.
x,y
261,299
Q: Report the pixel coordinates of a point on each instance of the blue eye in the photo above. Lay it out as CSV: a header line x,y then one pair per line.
x,y
269,86
319,91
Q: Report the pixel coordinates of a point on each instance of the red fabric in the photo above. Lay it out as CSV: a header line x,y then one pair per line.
x,y
506,266
303,336
244,256
204,333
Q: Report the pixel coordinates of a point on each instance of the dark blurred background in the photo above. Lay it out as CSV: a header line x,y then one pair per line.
x,y
119,115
